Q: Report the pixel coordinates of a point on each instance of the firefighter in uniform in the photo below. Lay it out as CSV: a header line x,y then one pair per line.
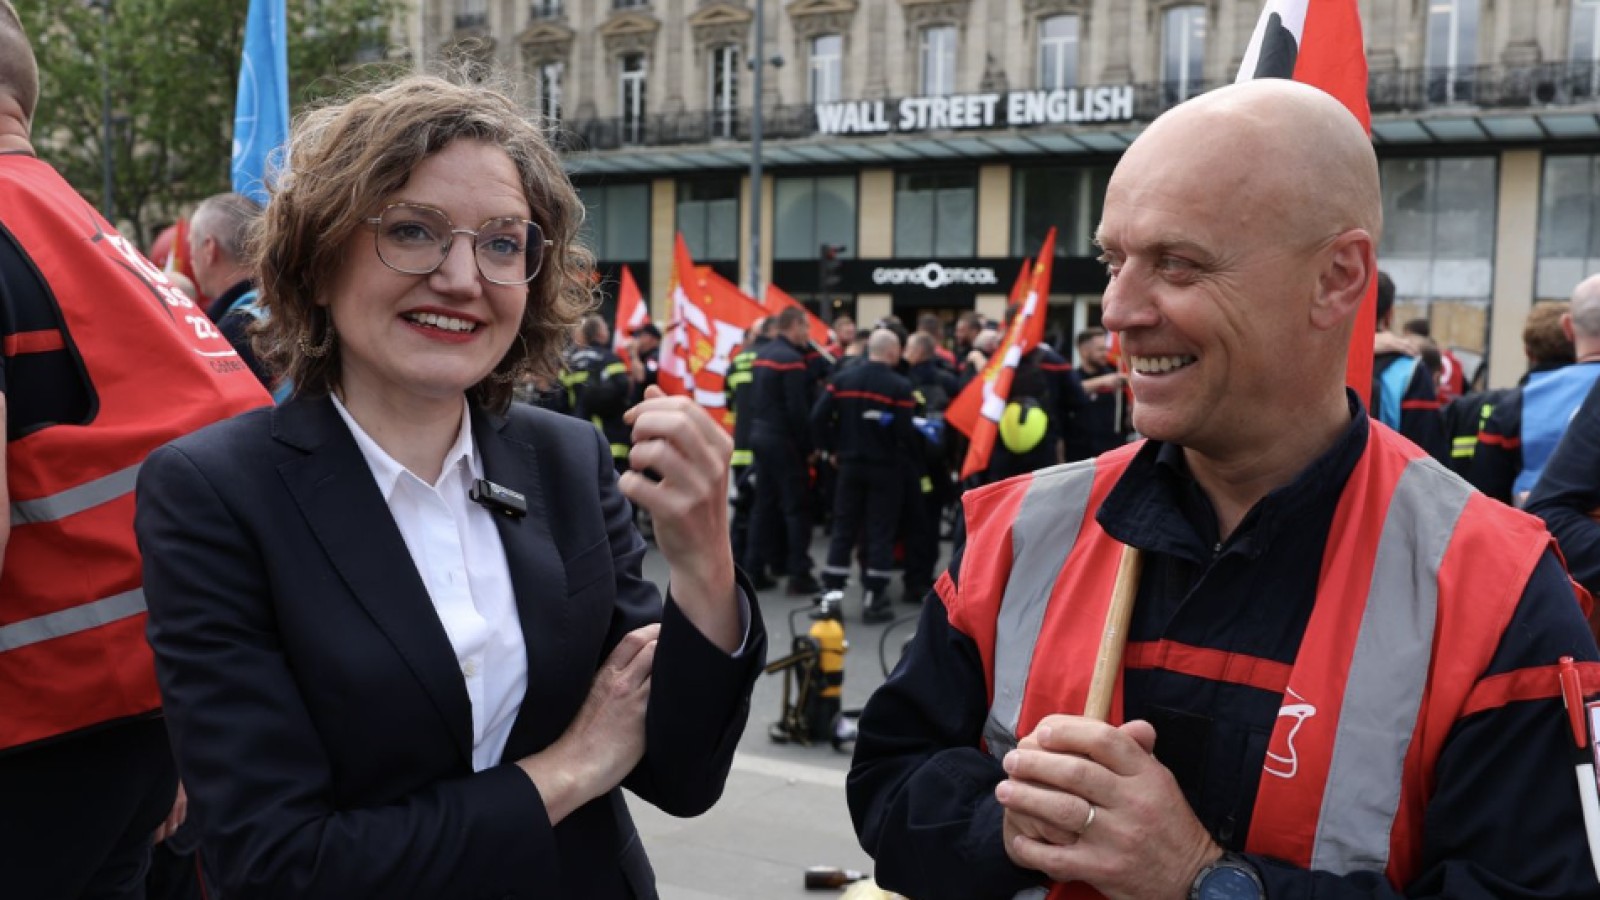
x,y
780,395
862,421
86,772
1340,679
929,486
598,386
736,387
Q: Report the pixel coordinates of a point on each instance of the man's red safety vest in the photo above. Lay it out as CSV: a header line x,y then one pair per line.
x,y
72,645
1415,560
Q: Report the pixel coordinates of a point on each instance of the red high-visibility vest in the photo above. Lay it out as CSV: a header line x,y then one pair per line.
x,y
1367,702
72,644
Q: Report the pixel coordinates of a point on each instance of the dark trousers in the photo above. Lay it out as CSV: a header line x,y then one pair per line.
x,y
922,511
866,505
743,505
76,815
782,512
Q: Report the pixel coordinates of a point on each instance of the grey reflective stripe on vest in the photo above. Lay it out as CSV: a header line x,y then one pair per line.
x,y
71,621
1046,527
1388,672
75,500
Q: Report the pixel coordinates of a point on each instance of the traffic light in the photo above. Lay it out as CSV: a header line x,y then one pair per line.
x,y
828,266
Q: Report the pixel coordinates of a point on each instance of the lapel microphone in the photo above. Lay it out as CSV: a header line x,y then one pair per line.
x,y
498,499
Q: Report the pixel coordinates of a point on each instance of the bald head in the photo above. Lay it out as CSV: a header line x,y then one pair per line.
x,y
1288,155
19,75
884,346
1586,309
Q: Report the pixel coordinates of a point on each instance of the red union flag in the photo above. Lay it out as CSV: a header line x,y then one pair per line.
x,y
709,318
976,410
778,300
1318,42
632,313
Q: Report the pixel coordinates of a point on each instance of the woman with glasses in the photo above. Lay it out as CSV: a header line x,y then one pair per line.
x,y
402,638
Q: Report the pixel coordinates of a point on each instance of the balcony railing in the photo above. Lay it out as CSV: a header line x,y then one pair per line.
x,y
1494,88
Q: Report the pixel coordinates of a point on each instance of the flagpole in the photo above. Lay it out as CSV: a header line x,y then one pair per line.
x,y
758,63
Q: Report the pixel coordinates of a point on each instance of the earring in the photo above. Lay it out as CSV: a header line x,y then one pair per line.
x,y
321,348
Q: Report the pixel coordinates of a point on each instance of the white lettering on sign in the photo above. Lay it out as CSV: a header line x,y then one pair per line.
x,y
962,112
934,276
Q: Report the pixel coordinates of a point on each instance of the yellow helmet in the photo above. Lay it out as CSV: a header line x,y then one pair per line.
x,y
1023,425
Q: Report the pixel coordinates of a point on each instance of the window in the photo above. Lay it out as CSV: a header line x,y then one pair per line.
x,y
545,9
1584,59
938,61
935,214
632,97
1069,198
1183,50
811,211
708,216
723,90
1438,226
827,66
617,227
1452,50
629,4
1569,225
1058,52
472,13
547,87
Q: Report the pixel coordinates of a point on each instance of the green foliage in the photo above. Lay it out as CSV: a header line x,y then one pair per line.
x,y
172,67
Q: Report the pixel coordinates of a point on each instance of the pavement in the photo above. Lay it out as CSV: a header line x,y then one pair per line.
x,y
784,806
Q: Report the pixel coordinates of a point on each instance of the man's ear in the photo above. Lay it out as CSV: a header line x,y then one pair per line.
x,y
1349,264
1566,328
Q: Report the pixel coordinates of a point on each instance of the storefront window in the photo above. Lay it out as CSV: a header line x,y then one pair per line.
x,y
1569,224
1068,198
617,227
811,211
1438,231
935,214
708,217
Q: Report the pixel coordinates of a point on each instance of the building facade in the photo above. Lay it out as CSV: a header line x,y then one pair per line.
x,y
930,144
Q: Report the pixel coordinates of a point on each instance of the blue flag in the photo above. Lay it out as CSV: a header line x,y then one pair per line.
x,y
261,112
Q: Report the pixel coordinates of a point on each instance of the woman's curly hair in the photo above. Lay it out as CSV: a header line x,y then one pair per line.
x,y
346,159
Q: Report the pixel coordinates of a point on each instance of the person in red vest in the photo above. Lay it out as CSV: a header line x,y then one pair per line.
x,y
1340,676
102,362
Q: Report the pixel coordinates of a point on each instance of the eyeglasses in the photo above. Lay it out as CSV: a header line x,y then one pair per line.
x,y
415,240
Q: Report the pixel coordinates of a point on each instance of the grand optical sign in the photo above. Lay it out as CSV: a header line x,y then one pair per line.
x,y
961,112
934,276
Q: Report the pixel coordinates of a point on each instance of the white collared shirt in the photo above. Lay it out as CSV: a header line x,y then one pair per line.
x,y
456,548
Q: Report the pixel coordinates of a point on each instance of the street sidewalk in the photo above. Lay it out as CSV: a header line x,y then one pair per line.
x,y
784,806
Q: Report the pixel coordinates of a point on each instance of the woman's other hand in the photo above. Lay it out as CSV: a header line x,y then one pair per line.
x,y
606,739
686,457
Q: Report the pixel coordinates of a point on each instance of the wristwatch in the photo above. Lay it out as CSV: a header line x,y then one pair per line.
x,y
1231,877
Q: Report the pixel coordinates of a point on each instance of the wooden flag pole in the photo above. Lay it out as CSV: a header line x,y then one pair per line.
x,y
1108,663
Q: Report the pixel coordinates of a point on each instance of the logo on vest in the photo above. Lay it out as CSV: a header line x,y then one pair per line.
x,y
1282,760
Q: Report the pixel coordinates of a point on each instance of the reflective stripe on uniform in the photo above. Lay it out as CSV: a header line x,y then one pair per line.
x,y
619,451
615,368
1388,672
75,500
71,621
743,458
1044,533
1464,447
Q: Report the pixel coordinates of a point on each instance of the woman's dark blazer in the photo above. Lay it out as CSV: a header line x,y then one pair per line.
x,y
320,721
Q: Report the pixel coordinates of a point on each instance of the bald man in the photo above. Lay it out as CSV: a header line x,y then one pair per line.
x,y
862,421
101,361
1338,681
1517,439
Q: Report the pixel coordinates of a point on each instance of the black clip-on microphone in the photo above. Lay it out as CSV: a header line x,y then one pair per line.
x,y
498,499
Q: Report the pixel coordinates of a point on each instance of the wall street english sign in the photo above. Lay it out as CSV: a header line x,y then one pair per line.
x,y
961,112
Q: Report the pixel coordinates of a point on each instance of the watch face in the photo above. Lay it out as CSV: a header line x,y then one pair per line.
x,y
1229,883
